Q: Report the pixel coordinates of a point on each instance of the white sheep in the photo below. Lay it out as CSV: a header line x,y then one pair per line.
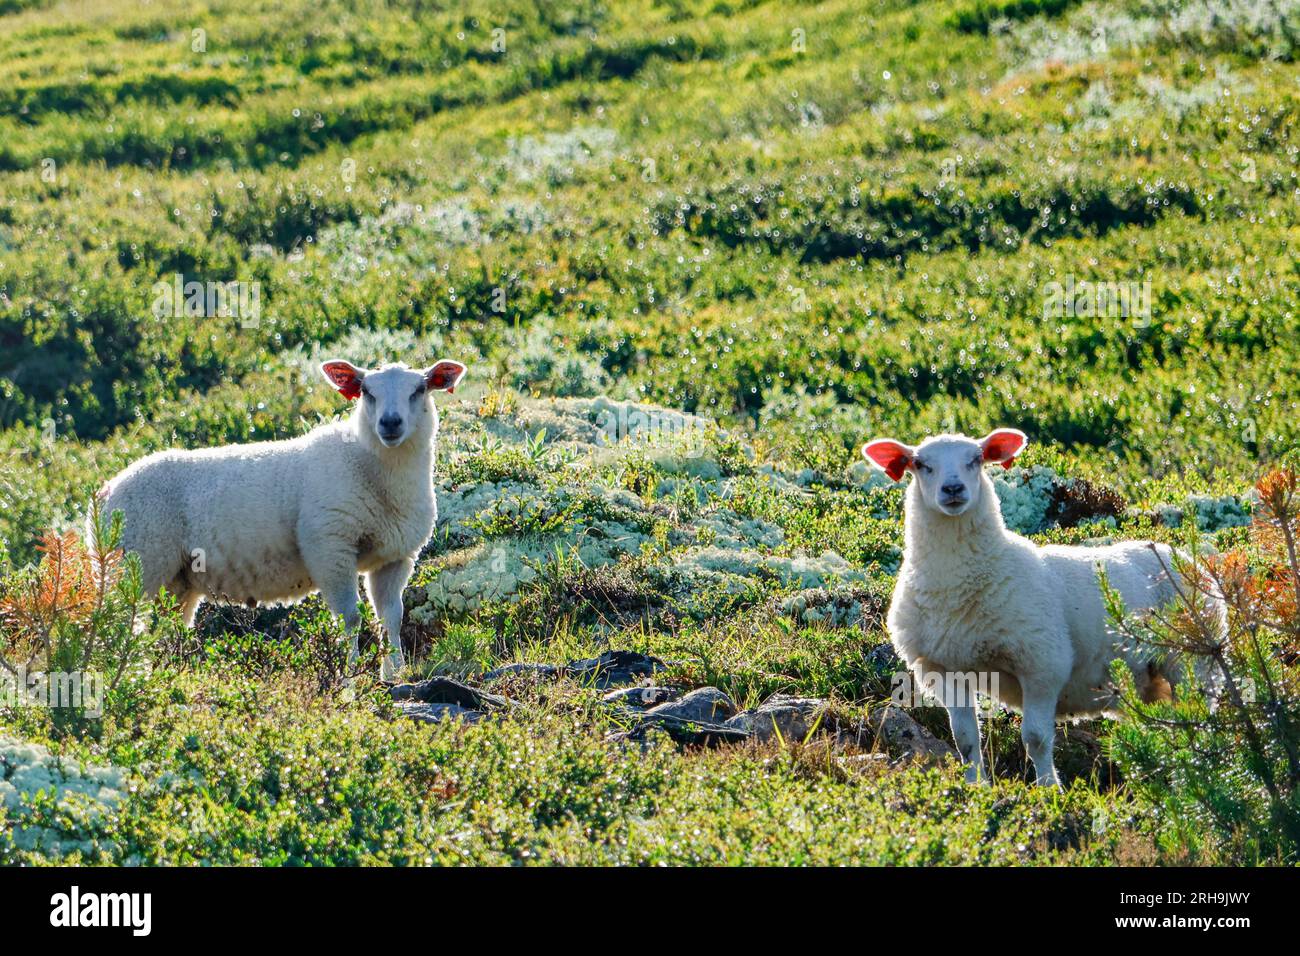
x,y
977,604
274,521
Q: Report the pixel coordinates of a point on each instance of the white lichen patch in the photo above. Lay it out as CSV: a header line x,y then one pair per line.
x,y
1026,496
1095,31
31,777
824,570
1212,513
497,533
555,158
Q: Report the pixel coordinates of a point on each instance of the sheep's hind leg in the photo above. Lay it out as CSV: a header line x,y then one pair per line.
x,y
187,598
189,605
1038,732
386,585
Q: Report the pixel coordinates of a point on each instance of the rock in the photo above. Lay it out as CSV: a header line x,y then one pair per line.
x,y
884,659
787,718
610,669
614,669
900,732
681,730
444,690
706,705
642,696
860,762
518,670
697,718
434,713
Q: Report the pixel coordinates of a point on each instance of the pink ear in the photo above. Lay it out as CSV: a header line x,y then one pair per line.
x,y
890,456
446,374
344,376
1003,444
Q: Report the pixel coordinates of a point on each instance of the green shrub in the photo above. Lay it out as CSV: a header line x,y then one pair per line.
x,y
1228,778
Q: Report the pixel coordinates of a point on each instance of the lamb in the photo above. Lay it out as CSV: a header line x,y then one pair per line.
x,y
974,600
275,521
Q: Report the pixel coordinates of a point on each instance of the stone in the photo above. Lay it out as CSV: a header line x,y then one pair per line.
x,y
781,717
614,669
706,705
641,697
898,730
884,659
696,718
435,713
860,762
445,690
680,730
521,670
609,669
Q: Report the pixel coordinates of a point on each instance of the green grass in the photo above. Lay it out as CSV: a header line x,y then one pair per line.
x,y
811,223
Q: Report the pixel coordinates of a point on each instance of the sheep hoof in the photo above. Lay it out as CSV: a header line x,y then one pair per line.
x,y
389,668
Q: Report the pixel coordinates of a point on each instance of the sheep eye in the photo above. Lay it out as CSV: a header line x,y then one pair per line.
x,y
924,467
417,393
369,397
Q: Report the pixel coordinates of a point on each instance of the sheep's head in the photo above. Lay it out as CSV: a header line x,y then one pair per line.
x,y
395,400
946,468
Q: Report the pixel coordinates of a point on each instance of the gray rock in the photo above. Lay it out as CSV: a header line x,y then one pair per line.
x,y
434,713
900,732
861,762
884,659
518,670
706,705
696,718
681,730
781,717
641,696
444,690
614,669
610,669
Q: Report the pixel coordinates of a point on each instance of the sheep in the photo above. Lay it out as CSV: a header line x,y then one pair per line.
x,y
272,522
975,603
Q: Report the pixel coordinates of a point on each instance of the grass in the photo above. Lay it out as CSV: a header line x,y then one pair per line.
x,y
809,224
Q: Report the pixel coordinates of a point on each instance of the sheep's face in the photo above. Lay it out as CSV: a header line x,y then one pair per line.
x,y
946,468
395,400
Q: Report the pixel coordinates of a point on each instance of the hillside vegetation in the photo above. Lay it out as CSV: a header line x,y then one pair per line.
x,y
694,253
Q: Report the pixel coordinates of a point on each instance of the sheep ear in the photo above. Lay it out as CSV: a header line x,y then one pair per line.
x,y
344,376
445,375
891,457
1002,445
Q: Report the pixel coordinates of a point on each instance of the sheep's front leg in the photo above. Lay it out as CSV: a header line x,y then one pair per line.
x,y
966,732
386,586
1038,732
958,698
335,576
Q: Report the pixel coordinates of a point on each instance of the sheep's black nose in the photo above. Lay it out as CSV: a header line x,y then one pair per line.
x,y
957,490
390,423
